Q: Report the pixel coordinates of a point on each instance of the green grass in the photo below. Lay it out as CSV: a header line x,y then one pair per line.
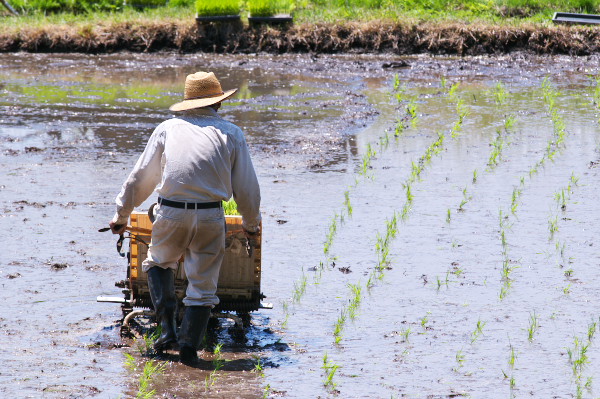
x,y
215,8
267,8
327,11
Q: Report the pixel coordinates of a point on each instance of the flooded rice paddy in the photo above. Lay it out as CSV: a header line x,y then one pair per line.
x,y
430,226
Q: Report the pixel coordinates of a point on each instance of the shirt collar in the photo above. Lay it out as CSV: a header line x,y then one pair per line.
x,y
198,112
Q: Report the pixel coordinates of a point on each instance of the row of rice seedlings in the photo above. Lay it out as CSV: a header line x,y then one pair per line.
x,y
259,370
383,242
534,325
562,197
148,374
330,369
512,358
500,96
578,359
554,145
382,248
217,363
339,218
550,95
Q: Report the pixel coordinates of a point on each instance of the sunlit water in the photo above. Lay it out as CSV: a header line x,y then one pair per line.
x,y
438,321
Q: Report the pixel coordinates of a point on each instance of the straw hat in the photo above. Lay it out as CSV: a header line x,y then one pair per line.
x,y
201,90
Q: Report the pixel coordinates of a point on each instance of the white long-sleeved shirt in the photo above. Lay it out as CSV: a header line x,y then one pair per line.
x,y
197,157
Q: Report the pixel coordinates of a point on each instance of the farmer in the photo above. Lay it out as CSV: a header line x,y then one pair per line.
x,y
194,161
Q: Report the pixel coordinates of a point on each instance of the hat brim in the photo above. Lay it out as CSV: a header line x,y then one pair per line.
x,y
201,102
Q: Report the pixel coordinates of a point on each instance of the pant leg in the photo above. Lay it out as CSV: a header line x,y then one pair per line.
x,y
171,233
203,258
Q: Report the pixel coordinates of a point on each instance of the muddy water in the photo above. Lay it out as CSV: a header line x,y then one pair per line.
x,y
438,320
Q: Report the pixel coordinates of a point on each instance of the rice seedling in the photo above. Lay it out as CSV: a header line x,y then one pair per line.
x,y
147,342
504,289
567,289
409,195
474,180
217,363
230,207
448,216
212,8
561,198
366,160
347,202
267,8
568,273
592,327
405,334
498,145
578,355
424,320
444,82
574,179
453,89
299,288
516,194
478,331
267,391
331,234
512,357
258,366
384,141
396,82
411,110
460,359
400,128
356,290
509,122
286,311
130,362
151,370
549,93
339,326
533,326
462,112
466,198
553,227
499,93
330,370
399,90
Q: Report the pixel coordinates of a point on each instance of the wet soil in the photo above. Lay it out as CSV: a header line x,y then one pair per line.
x,y
399,38
72,126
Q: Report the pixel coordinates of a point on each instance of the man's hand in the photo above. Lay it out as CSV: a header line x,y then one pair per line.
x,y
250,234
117,228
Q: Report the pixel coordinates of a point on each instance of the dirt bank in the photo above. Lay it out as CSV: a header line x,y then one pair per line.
x,y
371,37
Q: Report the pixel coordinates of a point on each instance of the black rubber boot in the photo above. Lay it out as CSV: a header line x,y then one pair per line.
x,y
161,283
191,333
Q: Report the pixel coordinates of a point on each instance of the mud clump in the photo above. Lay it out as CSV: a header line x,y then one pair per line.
x,y
352,37
58,266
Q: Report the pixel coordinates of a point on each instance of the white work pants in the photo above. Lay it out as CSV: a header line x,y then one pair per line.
x,y
200,236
